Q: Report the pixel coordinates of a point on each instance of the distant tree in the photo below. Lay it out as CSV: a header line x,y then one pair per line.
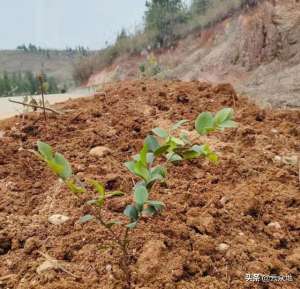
x,y
199,6
6,83
161,18
122,35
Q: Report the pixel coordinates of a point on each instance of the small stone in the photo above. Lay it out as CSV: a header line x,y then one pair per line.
x,y
79,168
2,133
273,130
30,245
290,160
100,151
108,268
277,159
58,219
274,225
222,247
46,266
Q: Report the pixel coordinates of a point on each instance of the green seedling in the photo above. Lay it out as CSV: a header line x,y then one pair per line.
x,y
142,166
206,122
180,148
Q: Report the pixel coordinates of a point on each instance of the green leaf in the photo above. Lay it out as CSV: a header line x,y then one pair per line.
x,y
141,170
66,171
150,158
85,219
161,150
152,143
173,157
213,157
157,205
149,211
55,167
114,194
98,187
131,212
228,124
45,150
160,132
157,174
194,152
112,223
177,141
132,225
143,154
158,171
140,195
209,153
92,202
184,137
179,124
130,166
223,115
204,123
74,188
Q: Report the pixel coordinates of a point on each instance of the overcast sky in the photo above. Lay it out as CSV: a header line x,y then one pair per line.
x,y
61,23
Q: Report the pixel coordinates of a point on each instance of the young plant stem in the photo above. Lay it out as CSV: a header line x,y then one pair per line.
x,y
122,243
41,80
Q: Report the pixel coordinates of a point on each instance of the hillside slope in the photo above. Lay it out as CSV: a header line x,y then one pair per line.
x,y
58,65
258,51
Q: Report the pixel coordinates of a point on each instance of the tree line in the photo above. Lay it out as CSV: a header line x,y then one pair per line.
x,y
20,83
33,49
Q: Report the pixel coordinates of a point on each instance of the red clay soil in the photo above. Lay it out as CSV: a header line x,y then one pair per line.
x,y
249,201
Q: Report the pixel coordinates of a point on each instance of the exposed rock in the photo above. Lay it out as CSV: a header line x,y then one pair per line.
x,y
274,225
287,160
58,219
30,245
223,247
150,260
204,223
100,151
46,266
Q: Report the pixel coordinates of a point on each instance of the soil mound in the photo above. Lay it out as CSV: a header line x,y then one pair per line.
x,y
221,221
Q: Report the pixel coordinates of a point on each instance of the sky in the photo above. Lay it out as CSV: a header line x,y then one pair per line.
x,y
67,23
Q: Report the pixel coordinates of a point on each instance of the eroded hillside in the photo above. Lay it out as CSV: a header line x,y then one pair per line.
x,y
257,50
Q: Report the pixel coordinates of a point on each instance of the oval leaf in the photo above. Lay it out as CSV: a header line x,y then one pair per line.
x,y
85,219
160,132
204,123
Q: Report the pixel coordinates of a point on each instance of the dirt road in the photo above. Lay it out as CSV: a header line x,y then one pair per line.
x,y
8,109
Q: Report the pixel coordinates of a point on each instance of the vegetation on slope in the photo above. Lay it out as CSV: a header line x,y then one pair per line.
x,y
165,22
